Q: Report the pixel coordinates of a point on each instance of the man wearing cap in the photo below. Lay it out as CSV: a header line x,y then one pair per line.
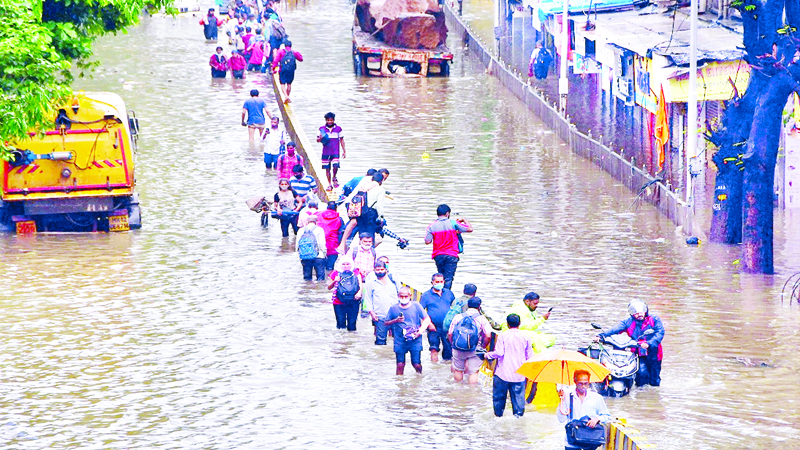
x,y
531,321
379,295
468,362
407,320
255,110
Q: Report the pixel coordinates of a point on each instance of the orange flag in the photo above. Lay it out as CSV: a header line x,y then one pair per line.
x,y
662,129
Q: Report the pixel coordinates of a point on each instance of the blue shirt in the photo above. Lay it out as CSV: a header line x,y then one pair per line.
x,y
412,317
437,305
255,110
304,185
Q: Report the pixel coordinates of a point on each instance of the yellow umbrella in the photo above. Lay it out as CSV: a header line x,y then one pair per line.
x,y
559,366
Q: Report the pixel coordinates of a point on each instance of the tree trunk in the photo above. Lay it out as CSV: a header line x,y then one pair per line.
x,y
759,174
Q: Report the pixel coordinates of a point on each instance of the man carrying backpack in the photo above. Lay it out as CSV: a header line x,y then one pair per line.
x,y
311,249
468,331
286,64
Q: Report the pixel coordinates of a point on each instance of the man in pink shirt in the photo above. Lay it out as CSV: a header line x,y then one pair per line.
x,y
512,349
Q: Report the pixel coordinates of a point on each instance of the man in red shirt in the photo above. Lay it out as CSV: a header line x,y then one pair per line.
x,y
237,64
443,234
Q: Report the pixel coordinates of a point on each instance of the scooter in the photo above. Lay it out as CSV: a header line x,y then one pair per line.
x,y
620,355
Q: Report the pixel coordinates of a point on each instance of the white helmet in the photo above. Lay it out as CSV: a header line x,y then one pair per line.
x,y
637,306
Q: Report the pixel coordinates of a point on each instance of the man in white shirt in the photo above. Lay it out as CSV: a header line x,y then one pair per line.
x,y
275,138
582,402
318,263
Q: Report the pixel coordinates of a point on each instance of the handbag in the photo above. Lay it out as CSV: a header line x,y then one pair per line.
x,y
581,435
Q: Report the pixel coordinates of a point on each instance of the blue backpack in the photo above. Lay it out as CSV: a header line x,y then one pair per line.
x,y
455,309
465,335
307,247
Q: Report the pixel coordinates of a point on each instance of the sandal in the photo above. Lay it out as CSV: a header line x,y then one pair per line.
x,y
330,188
335,182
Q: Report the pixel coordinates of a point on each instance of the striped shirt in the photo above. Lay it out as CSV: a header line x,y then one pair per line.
x,y
304,185
335,133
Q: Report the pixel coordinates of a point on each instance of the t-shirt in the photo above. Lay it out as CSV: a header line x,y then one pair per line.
x,y
255,110
412,317
304,185
273,141
437,305
444,237
335,134
287,204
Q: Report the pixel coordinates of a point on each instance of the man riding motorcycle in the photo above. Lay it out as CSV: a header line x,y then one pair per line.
x,y
650,350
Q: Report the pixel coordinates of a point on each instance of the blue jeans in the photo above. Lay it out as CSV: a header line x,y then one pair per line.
x,y
316,264
346,315
402,346
500,391
446,265
330,261
381,331
440,336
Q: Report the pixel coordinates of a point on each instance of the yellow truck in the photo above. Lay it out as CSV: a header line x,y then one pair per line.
x,y
77,175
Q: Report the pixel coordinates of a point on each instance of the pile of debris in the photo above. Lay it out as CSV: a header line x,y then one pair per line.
x,y
414,24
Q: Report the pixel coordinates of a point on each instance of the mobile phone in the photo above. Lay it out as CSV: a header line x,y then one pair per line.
x,y
551,308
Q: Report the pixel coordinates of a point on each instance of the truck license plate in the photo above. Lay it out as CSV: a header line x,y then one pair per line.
x,y
118,223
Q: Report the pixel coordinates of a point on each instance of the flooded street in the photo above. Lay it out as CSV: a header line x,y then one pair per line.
x,y
197,331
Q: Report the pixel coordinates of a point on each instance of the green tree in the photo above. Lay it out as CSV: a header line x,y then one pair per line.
x,y
40,42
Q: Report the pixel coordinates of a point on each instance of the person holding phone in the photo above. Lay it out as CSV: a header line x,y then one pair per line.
x,y
407,320
531,321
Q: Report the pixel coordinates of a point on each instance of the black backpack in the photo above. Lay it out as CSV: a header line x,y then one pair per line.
x,y
289,62
347,288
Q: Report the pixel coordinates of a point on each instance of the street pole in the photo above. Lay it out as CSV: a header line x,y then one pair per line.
x,y
691,141
563,84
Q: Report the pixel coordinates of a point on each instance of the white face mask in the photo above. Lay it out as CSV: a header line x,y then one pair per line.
x,y
404,300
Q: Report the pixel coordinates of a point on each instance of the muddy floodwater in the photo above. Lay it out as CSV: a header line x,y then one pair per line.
x,y
197,331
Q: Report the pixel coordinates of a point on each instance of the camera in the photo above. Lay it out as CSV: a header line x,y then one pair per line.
x,y
403,243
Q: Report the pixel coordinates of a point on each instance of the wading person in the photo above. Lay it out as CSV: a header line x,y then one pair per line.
x,y
531,321
256,52
346,287
407,320
332,223
332,139
511,350
255,110
437,301
275,137
304,185
379,295
286,64
582,402
288,161
443,234
467,332
650,350
363,255
237,63
210,25
311,249
219,64
287,206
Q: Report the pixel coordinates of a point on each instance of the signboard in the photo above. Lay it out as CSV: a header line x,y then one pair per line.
x,y
641,83
712,82
585,65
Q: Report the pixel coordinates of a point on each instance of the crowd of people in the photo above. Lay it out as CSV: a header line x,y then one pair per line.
x,y
336,244
259,40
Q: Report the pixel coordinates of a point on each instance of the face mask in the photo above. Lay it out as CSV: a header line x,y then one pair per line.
x,y
380,275
404,300
284,188
290,151
366,246
438,286
299,176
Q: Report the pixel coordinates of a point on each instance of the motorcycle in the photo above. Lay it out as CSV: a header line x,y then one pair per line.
x,y
620,355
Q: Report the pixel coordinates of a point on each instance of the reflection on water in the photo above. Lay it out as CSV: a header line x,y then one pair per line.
x,y
198,332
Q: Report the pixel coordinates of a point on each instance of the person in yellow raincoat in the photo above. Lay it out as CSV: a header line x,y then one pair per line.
x,y
531,321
